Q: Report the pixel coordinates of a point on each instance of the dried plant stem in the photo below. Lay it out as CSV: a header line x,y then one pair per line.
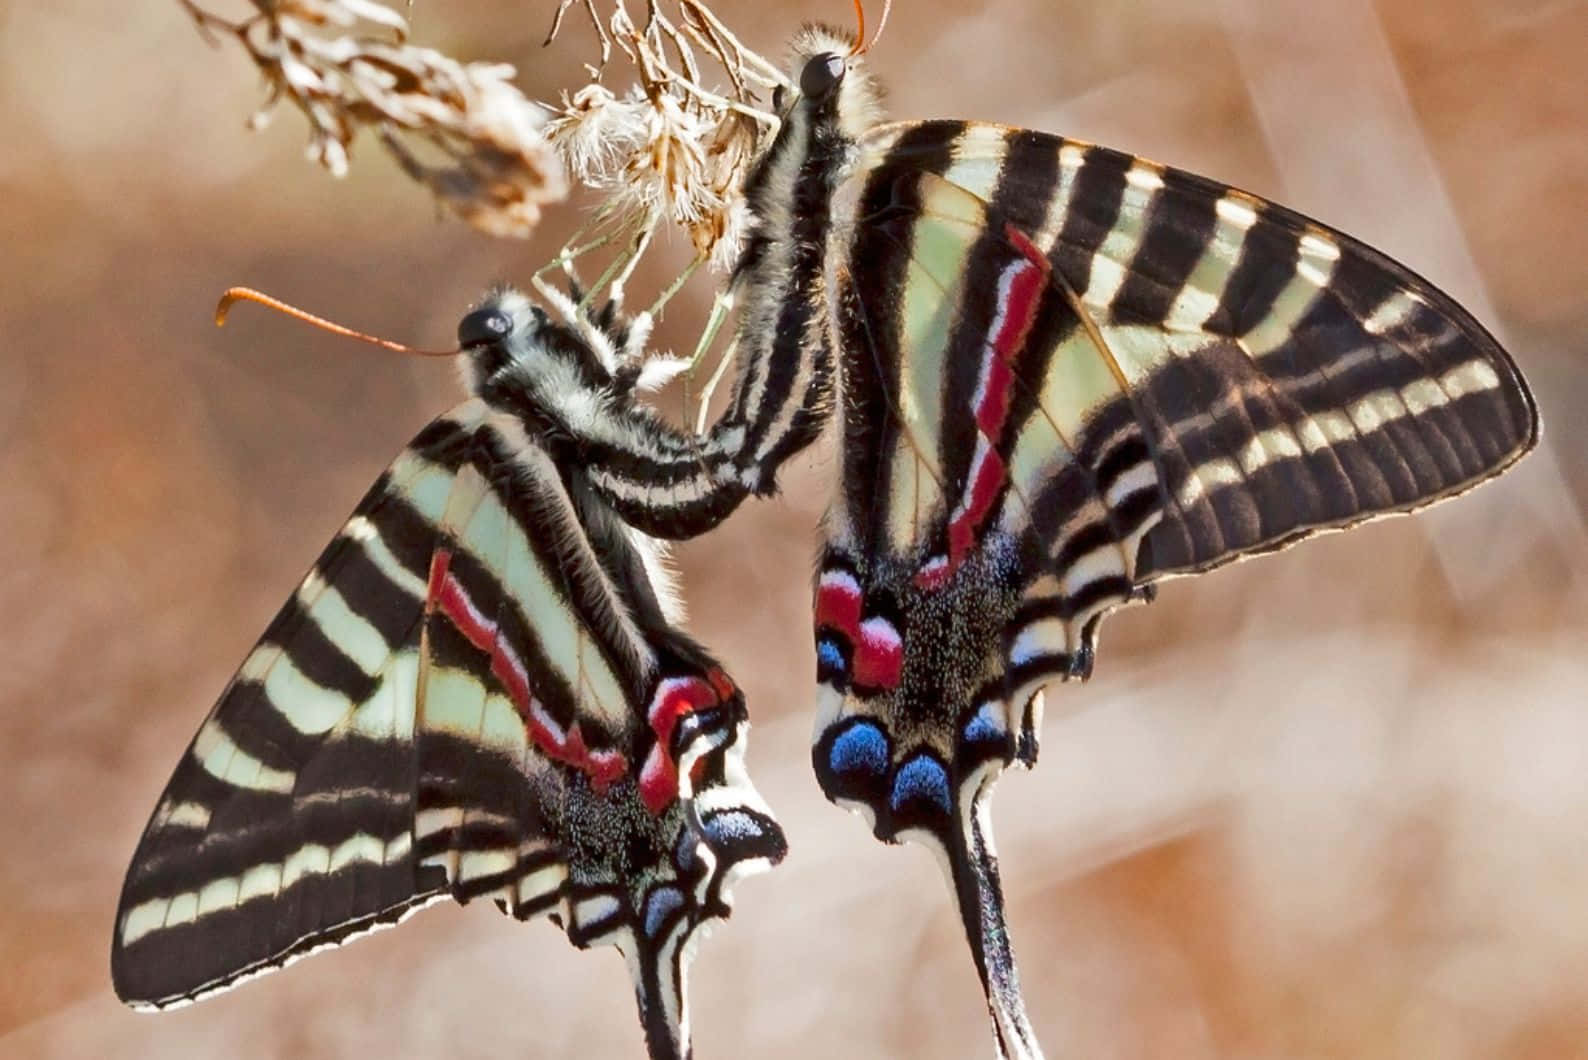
x,y
670,149
622,265
674,148
572,250
678,282
719,313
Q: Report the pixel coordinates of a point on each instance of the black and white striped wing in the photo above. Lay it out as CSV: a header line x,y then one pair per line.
x,y
576,753
474,693
288,823
1135,371
1064,374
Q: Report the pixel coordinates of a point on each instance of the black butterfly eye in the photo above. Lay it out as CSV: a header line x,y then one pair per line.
x,y
483,326
821,76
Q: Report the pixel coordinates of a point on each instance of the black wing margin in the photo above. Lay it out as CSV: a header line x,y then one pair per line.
x,y
288,824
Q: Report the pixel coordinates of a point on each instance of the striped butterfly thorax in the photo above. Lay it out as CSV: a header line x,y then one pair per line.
x,y
479,690
1062,374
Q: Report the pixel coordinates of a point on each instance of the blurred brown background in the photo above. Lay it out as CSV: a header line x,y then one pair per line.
x,y
1328,804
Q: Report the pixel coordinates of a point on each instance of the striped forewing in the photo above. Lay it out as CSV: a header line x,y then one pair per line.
x,y
513,672
1133,371
288,823
369,757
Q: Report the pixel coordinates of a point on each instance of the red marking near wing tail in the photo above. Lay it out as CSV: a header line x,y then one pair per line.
x,y
447,596
722,683
878,650
838,602
879,654
675,697
933,574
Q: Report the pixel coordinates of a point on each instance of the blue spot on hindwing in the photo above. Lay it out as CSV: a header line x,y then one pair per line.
x,y
922,779
983,737
862,748
684,854
662,903
830,662
740,834
983,727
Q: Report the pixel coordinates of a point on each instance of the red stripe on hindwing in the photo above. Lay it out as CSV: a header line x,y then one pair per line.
x,y
674,698
878,650
1020,290
838,602
449,598
992,396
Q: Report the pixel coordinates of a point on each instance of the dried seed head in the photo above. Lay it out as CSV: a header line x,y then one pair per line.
x,y
596,133
669,149
346,65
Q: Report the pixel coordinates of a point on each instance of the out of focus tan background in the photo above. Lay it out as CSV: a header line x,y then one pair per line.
x,y
1327,804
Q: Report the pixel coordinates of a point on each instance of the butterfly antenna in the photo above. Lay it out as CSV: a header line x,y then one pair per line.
x,y
862,46
248,294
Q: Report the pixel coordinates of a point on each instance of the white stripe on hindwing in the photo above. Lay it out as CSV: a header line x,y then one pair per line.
x,y
310,708
219,756
1363,417
1316,256
941,241
1392,312
265,880
458,702
1040,450
364,532
351,632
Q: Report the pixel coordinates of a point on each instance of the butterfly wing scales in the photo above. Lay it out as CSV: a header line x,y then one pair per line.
x,y
1224,375
1327,344
1065,374
287,824
512,682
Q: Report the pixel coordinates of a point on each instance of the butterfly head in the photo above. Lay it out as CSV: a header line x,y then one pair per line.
x,y
570,349
833,88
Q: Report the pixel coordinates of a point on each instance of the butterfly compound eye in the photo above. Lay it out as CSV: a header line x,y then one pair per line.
x,y
821,76
483,326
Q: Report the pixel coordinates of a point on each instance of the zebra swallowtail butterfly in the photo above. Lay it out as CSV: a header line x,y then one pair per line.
x,y
1062,374
479,690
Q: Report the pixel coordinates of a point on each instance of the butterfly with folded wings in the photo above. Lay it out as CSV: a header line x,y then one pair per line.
x,y
478,691
1061,374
